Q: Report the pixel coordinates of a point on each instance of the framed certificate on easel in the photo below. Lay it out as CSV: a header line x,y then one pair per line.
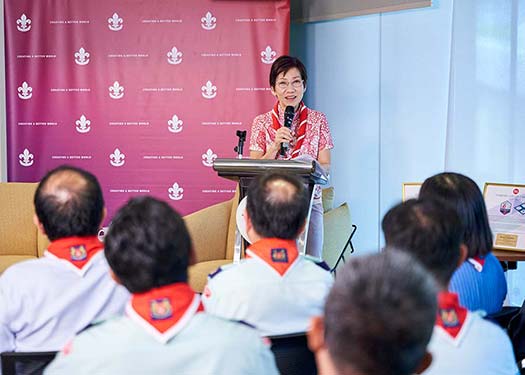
x,y
506,210
411,190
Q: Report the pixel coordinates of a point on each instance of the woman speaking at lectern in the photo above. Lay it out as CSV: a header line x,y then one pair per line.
x,y
308,134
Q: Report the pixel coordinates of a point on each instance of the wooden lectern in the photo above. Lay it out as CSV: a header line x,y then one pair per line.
x,y
244,170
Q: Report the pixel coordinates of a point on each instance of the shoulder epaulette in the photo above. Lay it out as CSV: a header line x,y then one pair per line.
x,y
323,265
215,273
244,323
317,262
91,325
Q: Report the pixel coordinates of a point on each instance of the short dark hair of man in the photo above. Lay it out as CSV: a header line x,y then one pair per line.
x,y
277,205
465,196
148,245
430,231
69,202
283,64
380,314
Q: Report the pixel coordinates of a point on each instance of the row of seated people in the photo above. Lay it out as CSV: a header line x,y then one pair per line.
x,y
479,282
45,302
386,322
378,318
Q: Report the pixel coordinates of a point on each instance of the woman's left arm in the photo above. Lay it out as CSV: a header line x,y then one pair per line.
x,y
324,159
325,143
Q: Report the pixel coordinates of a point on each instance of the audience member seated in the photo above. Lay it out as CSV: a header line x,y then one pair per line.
x,y
275,289
44,302
480,281
463,342
378,318
165,330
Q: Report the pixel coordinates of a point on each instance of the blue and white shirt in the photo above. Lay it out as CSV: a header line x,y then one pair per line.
x,y
480,284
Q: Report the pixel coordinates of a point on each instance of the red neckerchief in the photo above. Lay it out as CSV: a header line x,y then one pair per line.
x,y
450,316
163,312
300,133
277,253
477,262
76,251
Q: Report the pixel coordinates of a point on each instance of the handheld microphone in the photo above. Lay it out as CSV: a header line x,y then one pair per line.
x,y
288,118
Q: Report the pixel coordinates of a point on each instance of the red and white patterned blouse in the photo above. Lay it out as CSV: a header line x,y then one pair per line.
x,y
318,137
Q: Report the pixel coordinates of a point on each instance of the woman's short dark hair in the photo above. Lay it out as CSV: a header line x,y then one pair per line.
x,y
283,64
465,196
148,245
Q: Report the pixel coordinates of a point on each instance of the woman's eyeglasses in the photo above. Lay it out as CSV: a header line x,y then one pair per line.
x,y
296,83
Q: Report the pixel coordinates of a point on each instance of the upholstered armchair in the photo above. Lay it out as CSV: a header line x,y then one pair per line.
x,y
212,230
19,237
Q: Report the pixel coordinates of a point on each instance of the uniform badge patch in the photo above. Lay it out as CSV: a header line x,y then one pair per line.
x,y
449,317
78,253
160,308
280,255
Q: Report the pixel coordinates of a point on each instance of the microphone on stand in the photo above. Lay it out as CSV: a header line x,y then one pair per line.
x,y
288,118
242,137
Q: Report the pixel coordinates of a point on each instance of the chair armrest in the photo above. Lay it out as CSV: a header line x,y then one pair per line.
x,y
209,231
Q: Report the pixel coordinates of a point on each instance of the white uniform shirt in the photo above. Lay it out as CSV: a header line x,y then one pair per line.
x,y
45,302
478,347
255,292
193,342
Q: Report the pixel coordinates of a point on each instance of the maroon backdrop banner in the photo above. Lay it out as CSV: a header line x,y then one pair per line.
x,y
144,93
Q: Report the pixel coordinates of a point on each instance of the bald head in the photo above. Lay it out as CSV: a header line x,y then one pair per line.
x,y
69,202
64,185
280,191
277,205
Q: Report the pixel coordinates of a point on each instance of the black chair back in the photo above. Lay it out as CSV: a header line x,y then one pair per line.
x,y
504,316
292,355
25,363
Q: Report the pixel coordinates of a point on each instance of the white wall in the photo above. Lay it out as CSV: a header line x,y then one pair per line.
x,y
412,93
415,80
343,64
383,82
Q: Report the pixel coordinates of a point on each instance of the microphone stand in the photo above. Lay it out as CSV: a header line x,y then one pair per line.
x,y
242,137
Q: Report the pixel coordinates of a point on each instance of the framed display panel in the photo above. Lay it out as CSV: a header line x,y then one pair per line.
x,y
506,211
411,190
